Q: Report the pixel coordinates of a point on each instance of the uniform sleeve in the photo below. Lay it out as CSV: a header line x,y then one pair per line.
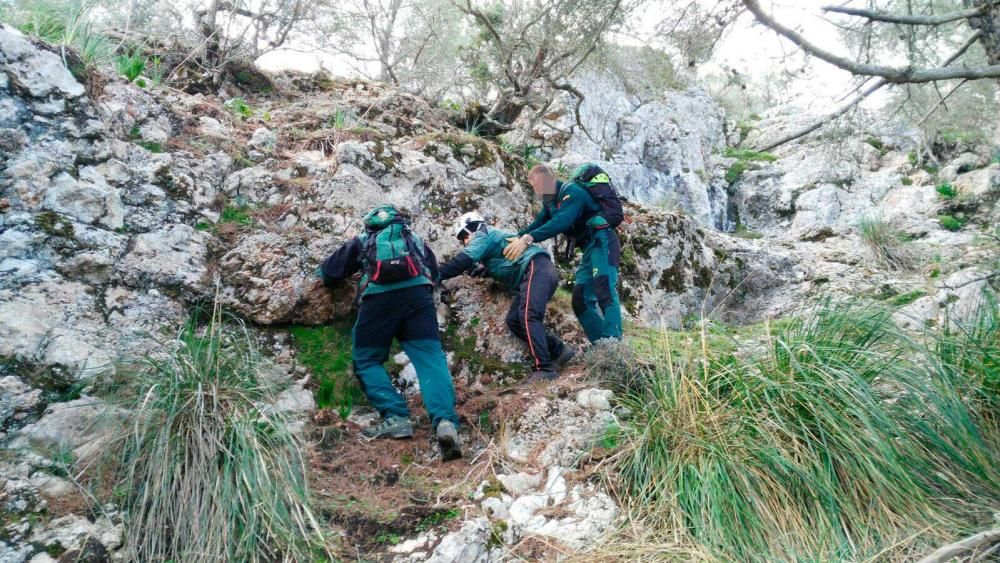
x,y
432,263
457,266
540,220
342,264
572,206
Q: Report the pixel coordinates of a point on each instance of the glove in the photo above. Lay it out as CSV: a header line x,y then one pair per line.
x,y
516,247
479,272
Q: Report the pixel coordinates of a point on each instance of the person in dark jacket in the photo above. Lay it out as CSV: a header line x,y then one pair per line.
x,y
533,279
401,307
569,209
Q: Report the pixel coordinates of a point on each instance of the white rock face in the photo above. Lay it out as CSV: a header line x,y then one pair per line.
x,y
663,152
81,426
173,256
39,73
88,201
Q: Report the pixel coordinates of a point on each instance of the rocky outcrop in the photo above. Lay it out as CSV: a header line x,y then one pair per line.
x,y
663,152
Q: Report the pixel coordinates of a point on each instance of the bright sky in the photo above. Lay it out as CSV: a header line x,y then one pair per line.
x,y
748,47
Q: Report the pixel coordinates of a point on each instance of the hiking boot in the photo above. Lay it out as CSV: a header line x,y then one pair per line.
x,y
541,376
567,354
390,427
447,437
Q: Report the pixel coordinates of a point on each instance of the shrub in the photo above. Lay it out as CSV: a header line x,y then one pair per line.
x,y
885,243
208,471
64,24
946,191
736,171
950,222
824,445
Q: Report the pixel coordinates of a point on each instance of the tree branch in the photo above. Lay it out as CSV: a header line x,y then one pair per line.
x,y
886,17
950,551
890,74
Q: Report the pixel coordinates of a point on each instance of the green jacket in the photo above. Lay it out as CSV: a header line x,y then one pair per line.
x,y
486,248
566,212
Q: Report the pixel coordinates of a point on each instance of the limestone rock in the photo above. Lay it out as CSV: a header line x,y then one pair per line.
x,y
36,72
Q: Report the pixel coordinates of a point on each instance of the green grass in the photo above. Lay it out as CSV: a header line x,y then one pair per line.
x,y
326,351
62,24
151,146
904,299
747,154
237,215
886,244
946,191
950,222
207,473
826,443
970,349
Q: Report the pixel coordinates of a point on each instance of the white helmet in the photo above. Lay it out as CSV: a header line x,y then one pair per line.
x,y
465,220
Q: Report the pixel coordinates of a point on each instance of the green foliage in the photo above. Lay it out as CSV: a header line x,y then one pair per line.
x,y
970,349
736,171
326,351
742,232
876,143
343,119
64,24
824,444
238,107
950,222
151,146
904,299
745,159
207,472
131,64
906,181
437,518
55,224
236,215
885,243
946,191
747,154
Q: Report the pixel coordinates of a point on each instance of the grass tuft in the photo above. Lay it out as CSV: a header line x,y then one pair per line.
x,y
946,191
885,243
950,222
825,444
208,471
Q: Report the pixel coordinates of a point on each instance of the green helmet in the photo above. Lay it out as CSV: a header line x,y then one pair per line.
x,y
381,216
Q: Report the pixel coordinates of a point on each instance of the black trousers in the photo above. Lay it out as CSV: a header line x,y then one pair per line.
x,y
527,312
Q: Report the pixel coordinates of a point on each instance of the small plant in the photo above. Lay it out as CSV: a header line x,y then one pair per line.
x,y
131,64
950,222
885,243
742,232
875,143
208,471
236,215
906,181
747,154
904,299
238,107
151,146
735,172
342,120
946,191
326,351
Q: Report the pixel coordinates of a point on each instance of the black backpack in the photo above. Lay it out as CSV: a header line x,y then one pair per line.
x,y
597,182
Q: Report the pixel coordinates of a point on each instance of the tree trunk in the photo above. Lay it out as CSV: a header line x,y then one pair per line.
x,y
989,26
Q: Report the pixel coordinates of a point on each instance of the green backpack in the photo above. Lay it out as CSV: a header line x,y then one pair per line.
x,y
390,253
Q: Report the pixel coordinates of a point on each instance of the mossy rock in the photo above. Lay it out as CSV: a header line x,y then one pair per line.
x,y
54,224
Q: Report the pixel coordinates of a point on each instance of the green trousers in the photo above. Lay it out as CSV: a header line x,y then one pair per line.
x,y
595,289
408,315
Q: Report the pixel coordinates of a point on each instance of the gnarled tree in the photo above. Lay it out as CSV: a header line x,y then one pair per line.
x,y
945,41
